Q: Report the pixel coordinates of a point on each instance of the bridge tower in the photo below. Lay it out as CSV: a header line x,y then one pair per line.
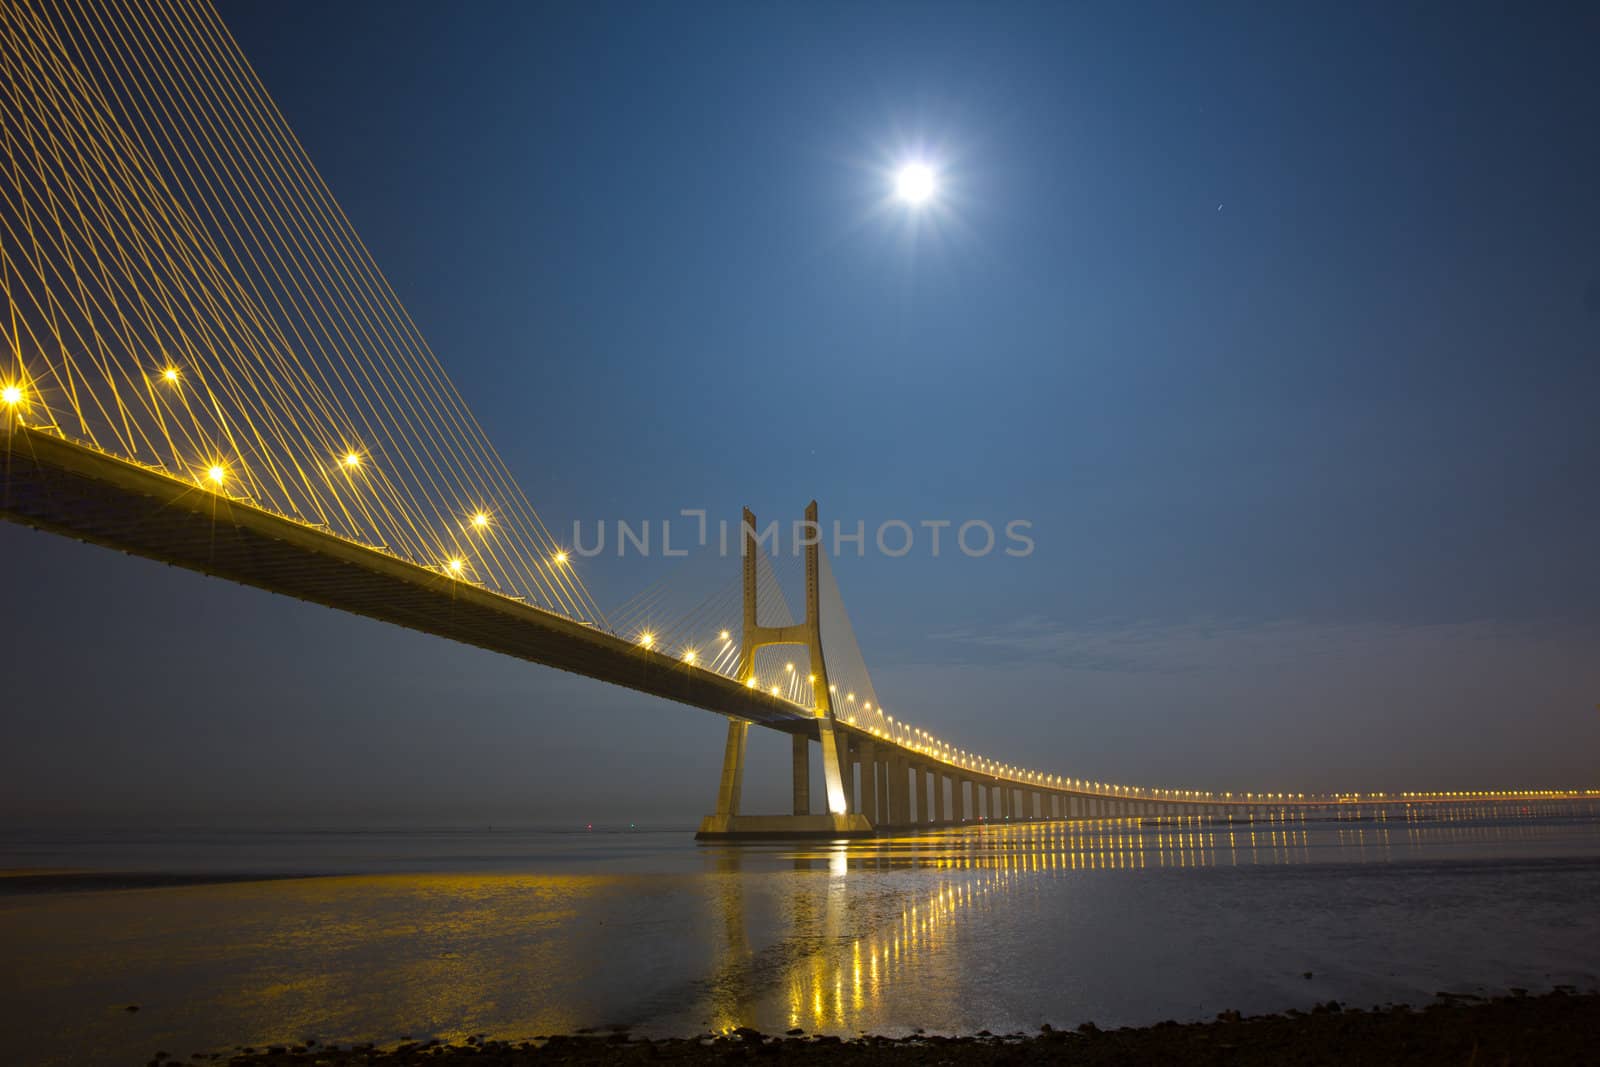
x,y
838,821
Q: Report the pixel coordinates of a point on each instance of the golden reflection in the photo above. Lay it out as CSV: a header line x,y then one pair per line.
x,y
839,958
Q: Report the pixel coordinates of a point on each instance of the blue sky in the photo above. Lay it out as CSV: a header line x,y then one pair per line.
x,y
1280,324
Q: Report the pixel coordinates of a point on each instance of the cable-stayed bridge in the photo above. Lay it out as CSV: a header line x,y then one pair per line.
x,y
204,365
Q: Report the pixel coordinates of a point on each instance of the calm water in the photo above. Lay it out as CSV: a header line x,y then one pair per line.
x,y
516,934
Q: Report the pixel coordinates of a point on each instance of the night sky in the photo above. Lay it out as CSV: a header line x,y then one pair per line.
x,y
1279,323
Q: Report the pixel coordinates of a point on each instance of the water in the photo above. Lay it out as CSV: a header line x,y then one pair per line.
x,y
383,935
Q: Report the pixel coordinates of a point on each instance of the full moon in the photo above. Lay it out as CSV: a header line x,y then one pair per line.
x,y
914,183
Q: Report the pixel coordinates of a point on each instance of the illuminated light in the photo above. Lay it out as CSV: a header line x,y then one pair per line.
x,y
915,183
12,395
749,683
455,566
560,557
811,678
688,657
217,473
647,639
480,519
774,690
724,635
352,460
788,667
849,696
170,375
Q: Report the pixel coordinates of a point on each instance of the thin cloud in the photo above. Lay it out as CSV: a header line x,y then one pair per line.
x,y
1147,646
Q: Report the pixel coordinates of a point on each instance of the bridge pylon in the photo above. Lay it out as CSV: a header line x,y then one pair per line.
x,y
838,820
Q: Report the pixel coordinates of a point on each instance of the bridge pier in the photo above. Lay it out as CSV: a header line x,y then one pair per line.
x,y
899,795
867,758
802,775
731,787
940,816
847,771
890,800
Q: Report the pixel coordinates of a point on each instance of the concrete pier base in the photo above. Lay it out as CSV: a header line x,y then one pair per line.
x,y
782,827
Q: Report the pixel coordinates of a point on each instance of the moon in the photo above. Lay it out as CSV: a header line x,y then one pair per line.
x,y
915,183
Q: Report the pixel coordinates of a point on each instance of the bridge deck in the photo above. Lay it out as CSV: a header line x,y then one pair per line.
x,y
56,485
66,488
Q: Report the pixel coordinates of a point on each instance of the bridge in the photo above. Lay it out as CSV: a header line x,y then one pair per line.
x,y
206,367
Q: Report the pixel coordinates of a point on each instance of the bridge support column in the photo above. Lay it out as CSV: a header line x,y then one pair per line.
x,y
847,773
940,815
994,803
888,803
868,760
928,783
906,787
731,788
900,795
802,775
958,800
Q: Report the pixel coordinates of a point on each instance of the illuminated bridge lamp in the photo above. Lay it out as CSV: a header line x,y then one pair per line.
x,y
351,460
560,557
170,375
480,520
217,474
12,395
647,639
725,635
774,690
455,566
688,657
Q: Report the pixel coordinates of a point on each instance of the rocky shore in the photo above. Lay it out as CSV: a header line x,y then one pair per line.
x,y
1562,1027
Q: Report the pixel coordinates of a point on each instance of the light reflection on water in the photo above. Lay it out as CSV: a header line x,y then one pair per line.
x,y
999,928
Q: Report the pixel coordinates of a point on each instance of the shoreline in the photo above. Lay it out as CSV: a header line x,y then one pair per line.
x,y
1556,1027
